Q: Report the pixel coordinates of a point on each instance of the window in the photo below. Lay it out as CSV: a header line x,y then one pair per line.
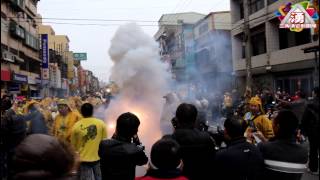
x,y
203,28
241,10
16,30
255,5
258,40
202,58
243,51
271,1
20,2
289,38
31,41
17,5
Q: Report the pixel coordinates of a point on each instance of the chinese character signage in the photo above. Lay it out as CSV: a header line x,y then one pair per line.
x,y
80,56
45,56
298,16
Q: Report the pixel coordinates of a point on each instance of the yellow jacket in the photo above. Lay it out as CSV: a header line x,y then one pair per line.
x,y
63,125
263,124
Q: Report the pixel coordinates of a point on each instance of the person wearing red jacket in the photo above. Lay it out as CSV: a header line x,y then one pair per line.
x,y
165,163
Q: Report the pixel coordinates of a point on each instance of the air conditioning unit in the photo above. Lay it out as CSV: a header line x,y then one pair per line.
x,y
17,58
7,56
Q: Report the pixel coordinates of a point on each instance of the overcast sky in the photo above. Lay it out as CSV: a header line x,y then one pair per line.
x,y
95,39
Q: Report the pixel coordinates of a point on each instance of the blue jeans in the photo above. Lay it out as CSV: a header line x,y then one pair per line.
x,y
90,171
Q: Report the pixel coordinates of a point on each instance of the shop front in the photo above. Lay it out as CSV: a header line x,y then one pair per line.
x,y
5,78
34,90
19,84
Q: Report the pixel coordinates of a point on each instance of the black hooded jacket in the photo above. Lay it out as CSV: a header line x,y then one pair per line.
x,y
197,150
119,159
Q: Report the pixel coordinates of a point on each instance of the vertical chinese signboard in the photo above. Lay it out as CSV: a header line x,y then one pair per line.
x,y
45,56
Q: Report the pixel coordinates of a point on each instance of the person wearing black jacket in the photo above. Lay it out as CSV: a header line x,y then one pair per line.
x,y
310,127
240,160
13,131
120,155
284,158
197,148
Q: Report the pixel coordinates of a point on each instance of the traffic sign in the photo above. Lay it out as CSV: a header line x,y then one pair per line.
x,y
80,56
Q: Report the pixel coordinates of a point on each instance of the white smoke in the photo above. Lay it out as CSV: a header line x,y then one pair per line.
x,y
142,79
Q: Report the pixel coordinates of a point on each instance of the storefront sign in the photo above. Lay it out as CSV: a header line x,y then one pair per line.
x,y
31,80
45,56
5,75
14,87
20,78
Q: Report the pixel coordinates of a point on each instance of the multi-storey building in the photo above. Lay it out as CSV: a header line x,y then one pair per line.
x,y
278,59
20,61
174,31
212,68
59,57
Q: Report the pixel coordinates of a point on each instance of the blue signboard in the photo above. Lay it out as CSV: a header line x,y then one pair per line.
x,y
20,78
14,87
45,56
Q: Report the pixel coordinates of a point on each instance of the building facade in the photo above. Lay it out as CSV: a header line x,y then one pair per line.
x,y
59,59
175,37
20,61
212,52
278,59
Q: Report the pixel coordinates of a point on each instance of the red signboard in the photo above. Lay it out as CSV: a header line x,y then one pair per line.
x,y
5,75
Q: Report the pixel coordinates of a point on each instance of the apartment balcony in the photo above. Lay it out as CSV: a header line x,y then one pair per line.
x,y
280,57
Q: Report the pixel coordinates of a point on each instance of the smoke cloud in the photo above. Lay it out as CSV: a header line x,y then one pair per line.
x,y
143,81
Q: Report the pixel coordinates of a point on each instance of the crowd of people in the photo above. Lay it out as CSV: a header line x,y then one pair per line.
x,y
62,139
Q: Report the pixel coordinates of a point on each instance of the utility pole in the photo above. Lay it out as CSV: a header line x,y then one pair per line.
x,y
247,42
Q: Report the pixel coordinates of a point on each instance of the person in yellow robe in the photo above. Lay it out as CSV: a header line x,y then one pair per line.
x,y
64,121
259,126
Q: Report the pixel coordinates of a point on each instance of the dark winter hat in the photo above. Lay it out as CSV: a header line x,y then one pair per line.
x,y
288,123
38,156
186,114
165,154
127,125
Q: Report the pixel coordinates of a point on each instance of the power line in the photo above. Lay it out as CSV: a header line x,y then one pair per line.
x,y
80,19
92,24
68,22
125,20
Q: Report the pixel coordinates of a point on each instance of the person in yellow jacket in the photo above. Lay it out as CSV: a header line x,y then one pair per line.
x,y
86,136
64,121
259,126
74,105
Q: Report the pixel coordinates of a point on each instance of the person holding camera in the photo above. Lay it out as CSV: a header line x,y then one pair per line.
x,y
197,147
240,160
259,126
120,155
